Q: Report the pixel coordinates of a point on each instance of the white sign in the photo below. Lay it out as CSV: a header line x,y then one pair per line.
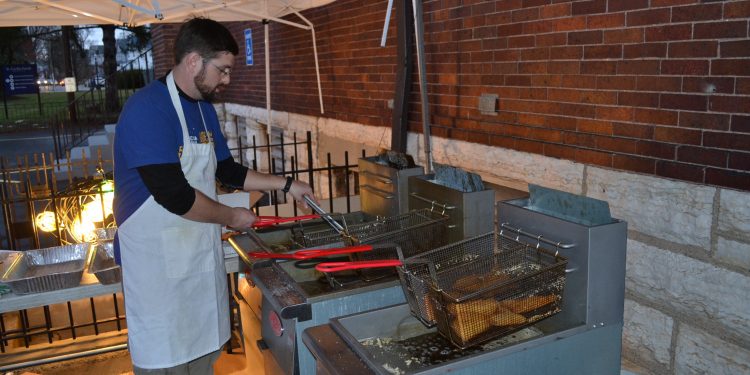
x,y
70,84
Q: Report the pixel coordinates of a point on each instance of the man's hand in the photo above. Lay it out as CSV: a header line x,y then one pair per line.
x,y
241,218
300,189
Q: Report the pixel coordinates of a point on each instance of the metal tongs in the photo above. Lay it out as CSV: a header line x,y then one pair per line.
x,y
327,217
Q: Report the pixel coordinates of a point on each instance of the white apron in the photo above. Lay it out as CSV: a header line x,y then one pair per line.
x,y
174,279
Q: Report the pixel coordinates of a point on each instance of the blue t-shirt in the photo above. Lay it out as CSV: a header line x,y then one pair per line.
x,y
149,132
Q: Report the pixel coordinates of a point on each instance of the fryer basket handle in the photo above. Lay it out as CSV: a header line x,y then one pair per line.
x,y
343,266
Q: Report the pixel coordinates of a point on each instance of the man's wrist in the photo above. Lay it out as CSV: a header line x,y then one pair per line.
x,y
288,184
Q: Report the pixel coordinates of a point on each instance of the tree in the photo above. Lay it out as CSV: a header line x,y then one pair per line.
x,y
16,46
109,66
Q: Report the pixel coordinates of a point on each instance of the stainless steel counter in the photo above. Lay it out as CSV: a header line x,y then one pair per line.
x,y
89,287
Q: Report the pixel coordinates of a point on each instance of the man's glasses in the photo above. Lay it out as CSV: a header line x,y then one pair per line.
x,y
225,72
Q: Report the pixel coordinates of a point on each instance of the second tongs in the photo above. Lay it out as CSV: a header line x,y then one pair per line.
x,y
309,254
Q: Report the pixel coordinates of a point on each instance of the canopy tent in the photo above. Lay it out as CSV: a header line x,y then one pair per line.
x,y
142,12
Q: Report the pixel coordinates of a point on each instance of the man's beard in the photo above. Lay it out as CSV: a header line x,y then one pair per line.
x,y
209,94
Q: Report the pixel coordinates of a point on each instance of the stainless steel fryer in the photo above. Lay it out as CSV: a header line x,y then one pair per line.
x,y
583,338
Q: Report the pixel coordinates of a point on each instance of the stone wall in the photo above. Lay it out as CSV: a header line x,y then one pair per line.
x,y
687,308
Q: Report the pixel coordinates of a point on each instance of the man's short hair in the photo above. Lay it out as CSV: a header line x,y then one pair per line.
x,y
206,37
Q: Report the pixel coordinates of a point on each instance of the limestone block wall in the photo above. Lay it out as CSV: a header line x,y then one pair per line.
x,y
687,308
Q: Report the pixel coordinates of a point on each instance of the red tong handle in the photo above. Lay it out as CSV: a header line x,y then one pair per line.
x,y
343,266
309,254
267,221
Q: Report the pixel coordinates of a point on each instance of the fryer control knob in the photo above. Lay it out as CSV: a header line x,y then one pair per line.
x,y
276,326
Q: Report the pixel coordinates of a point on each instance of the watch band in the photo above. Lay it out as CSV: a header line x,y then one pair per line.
x,y
288,184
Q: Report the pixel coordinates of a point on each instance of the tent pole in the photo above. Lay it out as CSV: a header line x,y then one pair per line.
x,y
315,53
268,78
419,31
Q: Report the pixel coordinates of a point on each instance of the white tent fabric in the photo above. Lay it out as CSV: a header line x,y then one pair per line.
x,y
142,12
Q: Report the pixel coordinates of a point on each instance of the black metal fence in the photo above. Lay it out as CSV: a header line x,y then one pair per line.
x,y
36,183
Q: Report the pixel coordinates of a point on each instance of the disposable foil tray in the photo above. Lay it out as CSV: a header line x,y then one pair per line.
x,y
48,269
103,264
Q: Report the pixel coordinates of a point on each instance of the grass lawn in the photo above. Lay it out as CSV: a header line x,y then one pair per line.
x,y
25,112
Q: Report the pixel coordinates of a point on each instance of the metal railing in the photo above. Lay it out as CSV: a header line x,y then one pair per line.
x,y
38,181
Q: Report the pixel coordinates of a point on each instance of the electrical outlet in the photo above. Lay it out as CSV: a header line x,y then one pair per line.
x,y
488,104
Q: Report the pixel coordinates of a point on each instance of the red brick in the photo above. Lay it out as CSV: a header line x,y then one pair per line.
x,y
647,17
730,67
565,53
638,67
739,9
602,52
641,50
523,41
720,30
547,80
529,146
593,157
624,5
579,81
739,160
638,99
508,5
633,163
685,67
729,104
680,171
702,120
657,83
585,37
694,49
498,18
684,101
623,145
511,29
552,39
729,141
708,85
614,113
727,178
531,54
564,67
677,135
532,93
625,129
571,109
534,3
555,10
589,7
502,141
656,149
741,123
702,156
594,126
692,13
666,3
527,14
560,122
655,116
628,35
559,151
735,48
599,67
605,21
518,80
668,33
615,82
579,139
742,86
568,24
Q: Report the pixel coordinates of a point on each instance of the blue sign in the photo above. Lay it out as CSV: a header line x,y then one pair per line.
x,y
248,47
20,79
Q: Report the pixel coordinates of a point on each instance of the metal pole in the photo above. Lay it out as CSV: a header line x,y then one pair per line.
x,y
419,31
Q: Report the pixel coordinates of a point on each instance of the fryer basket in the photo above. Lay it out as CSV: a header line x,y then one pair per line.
x,y
484,287
413,232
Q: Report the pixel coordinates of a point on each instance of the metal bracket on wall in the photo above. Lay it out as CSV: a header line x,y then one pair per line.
x,y
488,104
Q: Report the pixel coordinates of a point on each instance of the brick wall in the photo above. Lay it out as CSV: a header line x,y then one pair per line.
x,y
661,89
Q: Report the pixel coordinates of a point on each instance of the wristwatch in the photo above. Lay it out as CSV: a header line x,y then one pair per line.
x,y
288,184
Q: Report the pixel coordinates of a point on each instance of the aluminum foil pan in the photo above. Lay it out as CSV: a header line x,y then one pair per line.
x,y
44,270
103,264
105,233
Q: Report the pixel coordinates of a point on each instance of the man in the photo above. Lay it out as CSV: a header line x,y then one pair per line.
x,y
167,143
